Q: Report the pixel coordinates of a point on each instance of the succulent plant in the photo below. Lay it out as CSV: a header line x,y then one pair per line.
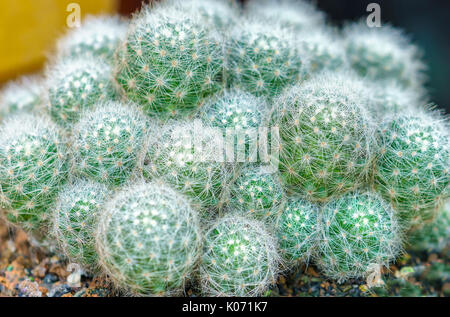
x,y
297,229
297,14
149,239
434,235
326,136
359,235
75,219
75,85
189,156
323,49
257,192
412,168
262,58
239,258
170,62
219,14
22,95
109,143
33,167
238,115
383,53
98,36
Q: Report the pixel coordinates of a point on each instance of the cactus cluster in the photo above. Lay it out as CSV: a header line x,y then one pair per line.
x,y
109,143
148,241
412,168
170,61
326,136
75,85
74,220
130,170
21,96
96,37
33,166
239,259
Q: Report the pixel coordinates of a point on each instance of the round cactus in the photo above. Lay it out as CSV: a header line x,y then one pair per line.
x,y
170,61
326,136
99,36
263,58
188,155
219,14
257,192
75,218
149,239
323,50
75,85
23,95
359,235
109,143
33,167
299,15
297,230
383,53
412,168
433,235
239,259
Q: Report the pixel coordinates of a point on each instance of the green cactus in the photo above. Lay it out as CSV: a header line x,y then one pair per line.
x,y
98,36
109,143
149,239
33,167
75,85
412,168
263,58
297,14
170,62
188,155
239,258
359,235
257,192
383,53
434,235
23,95
75,218
326,136
297,230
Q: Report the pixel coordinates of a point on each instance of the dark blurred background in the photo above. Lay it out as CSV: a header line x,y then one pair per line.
x,y
426,21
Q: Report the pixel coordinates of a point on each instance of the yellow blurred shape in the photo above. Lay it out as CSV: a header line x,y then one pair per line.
x,y
29,29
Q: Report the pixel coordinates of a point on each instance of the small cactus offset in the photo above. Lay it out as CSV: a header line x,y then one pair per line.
x,y
76,85
263,58
297,230
23,95
326,136
149,239
97,37
359,235
170,62
239,258
75,218
109,143
33,167
412,167
257,193
188,155
297,14
432,236
383,54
